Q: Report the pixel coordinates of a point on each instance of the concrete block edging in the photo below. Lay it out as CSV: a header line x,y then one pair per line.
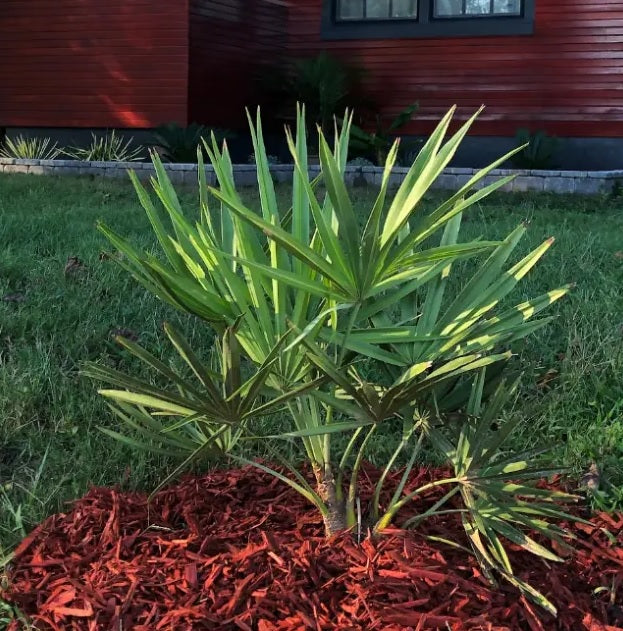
x,y
561,182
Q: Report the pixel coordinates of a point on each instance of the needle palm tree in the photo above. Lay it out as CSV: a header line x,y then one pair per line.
x,y
305,299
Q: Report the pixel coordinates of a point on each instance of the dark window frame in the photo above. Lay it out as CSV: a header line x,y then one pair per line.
x,y
426,25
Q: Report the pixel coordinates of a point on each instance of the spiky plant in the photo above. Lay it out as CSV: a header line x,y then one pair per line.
x,y
23,148
179,144
107,148
310,294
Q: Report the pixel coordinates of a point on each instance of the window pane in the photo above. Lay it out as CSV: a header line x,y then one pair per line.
x,y
350,9
512,7
477,7
448,7
404,9
469,8
377,9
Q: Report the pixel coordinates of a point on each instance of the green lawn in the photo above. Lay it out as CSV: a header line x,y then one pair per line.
x,y
50,322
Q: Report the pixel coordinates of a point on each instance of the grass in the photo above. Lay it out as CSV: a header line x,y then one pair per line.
x,y
50,448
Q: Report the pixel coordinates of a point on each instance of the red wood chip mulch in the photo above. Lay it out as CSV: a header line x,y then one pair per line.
x,y
238,550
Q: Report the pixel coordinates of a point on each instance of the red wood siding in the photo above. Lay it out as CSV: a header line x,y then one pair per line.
x,y
566,78
228,41
93,63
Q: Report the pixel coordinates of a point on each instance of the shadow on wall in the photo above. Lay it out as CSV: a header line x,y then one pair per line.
x,y
84,63
229,41
150,71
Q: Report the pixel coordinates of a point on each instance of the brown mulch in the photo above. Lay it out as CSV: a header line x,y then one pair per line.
x,y
238,550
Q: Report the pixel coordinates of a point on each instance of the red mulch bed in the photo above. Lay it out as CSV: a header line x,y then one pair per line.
x,y
238,550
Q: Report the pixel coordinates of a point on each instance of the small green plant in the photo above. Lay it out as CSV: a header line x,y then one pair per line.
x,y
360,162
13,516
609,499
602,442
271,159
24,148
107,148
10,616
15,512
378,142
325,83
538,150
344,328
179,144
617,190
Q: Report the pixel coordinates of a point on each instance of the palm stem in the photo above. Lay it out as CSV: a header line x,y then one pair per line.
x,y
379,485
395,507
352,489
345,456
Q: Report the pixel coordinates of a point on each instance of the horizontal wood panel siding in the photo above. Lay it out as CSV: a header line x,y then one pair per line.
x,y
566,78
93,63
228,41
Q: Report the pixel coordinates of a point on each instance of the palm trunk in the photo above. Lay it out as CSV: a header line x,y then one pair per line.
x,y
335,519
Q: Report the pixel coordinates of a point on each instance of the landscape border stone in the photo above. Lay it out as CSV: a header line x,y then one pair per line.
x,y
550,181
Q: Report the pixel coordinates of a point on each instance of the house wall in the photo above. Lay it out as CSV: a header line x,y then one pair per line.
x,y
229,41
90,63
566,78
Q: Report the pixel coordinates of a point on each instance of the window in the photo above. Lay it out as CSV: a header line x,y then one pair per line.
x,y
475,8
376,9
385,19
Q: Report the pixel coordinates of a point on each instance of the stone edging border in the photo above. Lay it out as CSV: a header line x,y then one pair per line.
x,y
580,182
